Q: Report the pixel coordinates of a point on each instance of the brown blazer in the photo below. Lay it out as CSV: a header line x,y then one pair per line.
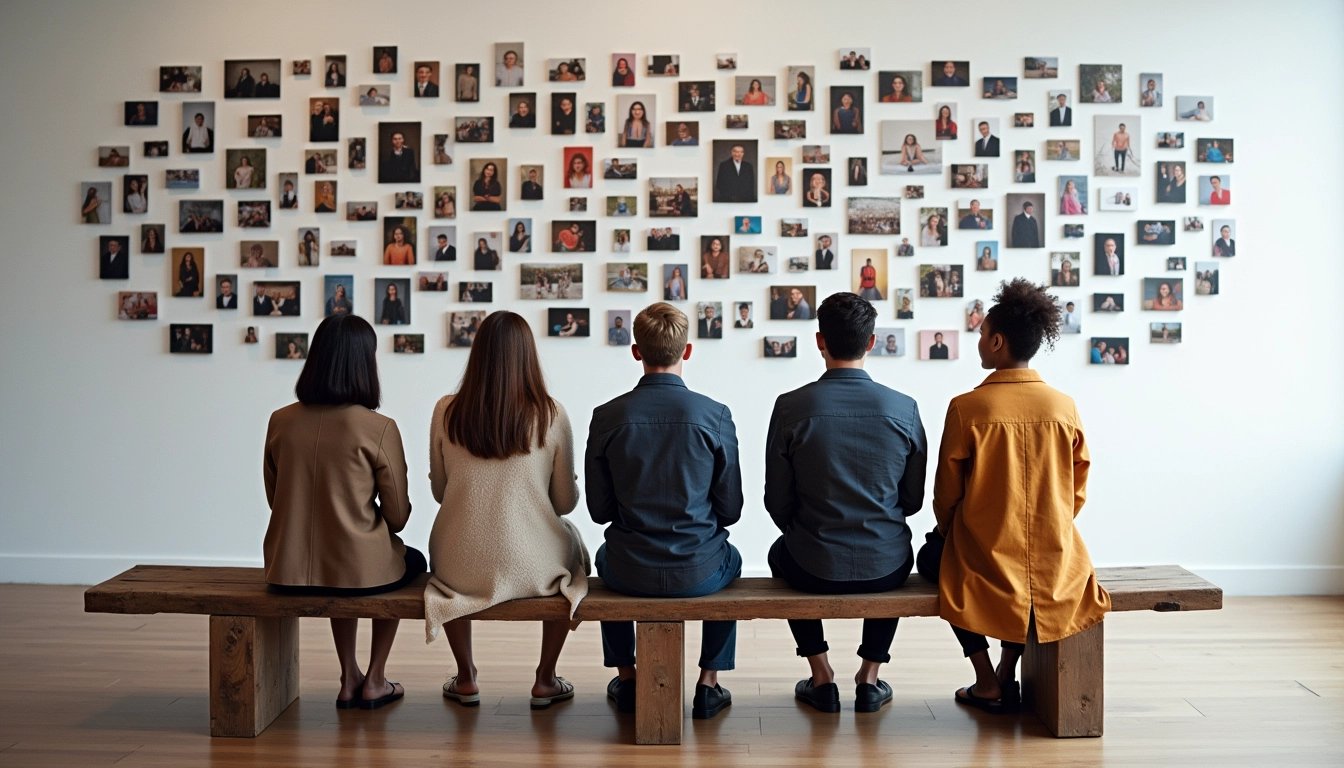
x,y
324,466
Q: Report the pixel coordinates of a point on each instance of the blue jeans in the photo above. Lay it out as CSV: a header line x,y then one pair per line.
x,y
718,640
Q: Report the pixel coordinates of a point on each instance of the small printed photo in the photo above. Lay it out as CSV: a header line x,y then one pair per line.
x,y
254,213
939,345
475,292
1040,67
791,129
190,338
578,164
905,303
675,196
725,61
793,227
196,216
1171,140
358,153
135,193
802,93
1064,266
793,302
709,320
156,149
339,293
796,264
1101,84
635,115
695,95
571,70
259,254
970,176
900,87
1024,119
1117,148
1215,190
564,114
674,282
1024,166
252,78
573,236
361,210
914,192
408,343
114,254
663,239
827,245
409,200
264,126
683,133
622,70
1213,150
550,281
1028,219
310,246
628,276
1150,89
846,109
1109,350
1000,87
324,120
890,342
345,248
780,178
986,255
620,241
198,127
971,214
1071,318
445,201
909,146
940,281
179,79
620,168
462,327
932,227
1163,294
758,259
1109,254
1118,198
520,235
114,157
781,346
735,122
1155,232
1164,333
434,282
869,279
490,185
291,346
975,314
618,328
275,298
250,335
399,237
141,113
742,315
319,161
1175,263
1060,104
474,130
754,91
485,257
333,71
816,153
392,295
385,59
1206,278
137,305
426,83
747,225
468,83
855,58
151,238
1108,302
246,168
664,65
817,192
1225,246
950,74
874,216
1197,108
443,153
1063,149
1073,197
1073,231
858,172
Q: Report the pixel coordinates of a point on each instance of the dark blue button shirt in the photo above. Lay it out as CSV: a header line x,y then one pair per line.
x,y
844,466
661,468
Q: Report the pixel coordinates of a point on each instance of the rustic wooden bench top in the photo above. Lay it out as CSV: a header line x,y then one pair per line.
x,y
242,592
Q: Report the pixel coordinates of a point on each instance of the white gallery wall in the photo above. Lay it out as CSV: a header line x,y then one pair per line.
x,y
1224,454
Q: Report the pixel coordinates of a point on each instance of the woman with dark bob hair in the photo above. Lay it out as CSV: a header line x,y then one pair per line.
x,y
501,463
336,483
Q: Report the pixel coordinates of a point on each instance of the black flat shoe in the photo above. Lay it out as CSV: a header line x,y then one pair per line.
x,y
870,698
823,698
708,702
1012,697
623,693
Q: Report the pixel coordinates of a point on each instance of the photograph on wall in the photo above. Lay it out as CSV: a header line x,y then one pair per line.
x,y
780,346
635,119
618,328
890,342
1024,119
226,296
857,176
245,168
1118,198
567,321
1071,318
564,114
357,153
1215,190
855,58
134,193
674,282
1213,150
1028,219
900,87
714,257
96,205
462,327
291,346
408,343
1164,333
754,91
520,235
523,110
485,256
793,227
1040,67
276,298
620,168
986,138
550,281
1073,231
695,95
945,73
663,239
1108,254
817,191
975,314
972,214
673,196
410,200
392,295
1066,150
309,246
793,302
345,248
339,294
797,263
683,133
846,112
623,70
779,180
999,87
1155,232
757,260
137,305
141,113
945,124
475,292
664,65
1101,84
932,226
198,127
151,238
570,70
905,303
1225,242
489,186
1150,89
265,126
573,236
1064,270
986,255
180,79
198,216
259,254
301,67
445,202
747,225
869,278
468,82
1073,195
250,335
620,240
1163,294
375,95
1196,108
252,78
118,156
1109,350
324,120
1060,104
384,59
1024,166
443,150
709,320
1117,150
1170,140
742,315
334,71
1176,263
628,276
801,91
970,176
156,149
874,216
578,165
361,210
1108,302
939,345
1206,278
425,85
255,214
736,122
114,253
190,338
940,281
399,153
734,162
399,239
320,161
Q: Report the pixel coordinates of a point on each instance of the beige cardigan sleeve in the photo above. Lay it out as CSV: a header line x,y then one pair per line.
x,y
564,483
438,473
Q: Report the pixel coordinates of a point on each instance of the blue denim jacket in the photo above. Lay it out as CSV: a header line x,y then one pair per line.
x,y
845,460
661,468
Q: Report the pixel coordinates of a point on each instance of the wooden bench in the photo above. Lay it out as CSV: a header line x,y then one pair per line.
x,y
254,638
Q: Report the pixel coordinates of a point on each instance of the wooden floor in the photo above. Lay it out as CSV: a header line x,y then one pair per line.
x,y
1258,683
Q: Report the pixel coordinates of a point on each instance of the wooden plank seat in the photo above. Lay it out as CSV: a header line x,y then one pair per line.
x,y
254,661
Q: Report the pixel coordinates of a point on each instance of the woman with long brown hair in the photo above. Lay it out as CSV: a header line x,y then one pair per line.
x,y
501,464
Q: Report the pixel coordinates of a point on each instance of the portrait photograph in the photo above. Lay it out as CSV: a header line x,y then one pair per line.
x,y
134,193
1027,214
259,254
1176,264
564,114
425,84
890,342
1213,150
551,281
114,156
757,260
1065,150
793,302
1040,67
1155,232
467,86
475,292
635,119
276,298
410,200
909,146
664,65
933,226
673,196
1225,237
944,73
319,161
743,315
675,282
462,327
1101,84
252,78
190,339
1206,278
1108,302
445,202
620,240
399,239
408,343
999,87
1116,138
801,93
1060,104
571,70
620,168
375,95
1071,317
384,59
573,236
747,225
264,126
1024,166
780,346
254,213
141,113
1108,249
291,346
816,153
975,314
725,61
940,281
1215,190
199,216
695,96
714,256
1170,140
709,320
1064,271
683,133
754,91
734,162
985,141
986,255
623,70
433,282
817,189
1024,119
1163,294
855,58
442,241
485,255
392,300
137,305
1150,89
793,227
939,345
151,238
518,230
198,127
1073,195
250,335
1118,198
245,168
904,299
523,110
663,239
846,112
779,175
578,165
399,153
1195,108
1073,231
114,254
973,214
970,176
443,151
361,210
736,121
1164,333
334,71
180,79
301,67
787,130
309,246
874,216
490,183
868,278
345,248
900,86
628,276
155,149
619,328
338,295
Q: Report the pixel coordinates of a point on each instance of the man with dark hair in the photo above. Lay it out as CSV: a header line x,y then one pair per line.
x,y
661,467
843,521
398,165
1026,230
735,181
987,145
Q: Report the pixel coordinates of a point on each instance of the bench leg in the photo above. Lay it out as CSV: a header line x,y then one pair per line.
x,y
1062,682
254,672
659,649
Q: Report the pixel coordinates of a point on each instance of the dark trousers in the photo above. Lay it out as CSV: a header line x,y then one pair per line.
x,y
1120,159
415,565
808,633
972,643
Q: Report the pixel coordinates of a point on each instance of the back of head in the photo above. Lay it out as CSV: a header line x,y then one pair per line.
x,y
1027,316
502,408
846,322
661,331
342,367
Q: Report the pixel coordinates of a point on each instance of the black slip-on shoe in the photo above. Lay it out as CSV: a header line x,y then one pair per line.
x,y
623,693
708,701
870,698
823,698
